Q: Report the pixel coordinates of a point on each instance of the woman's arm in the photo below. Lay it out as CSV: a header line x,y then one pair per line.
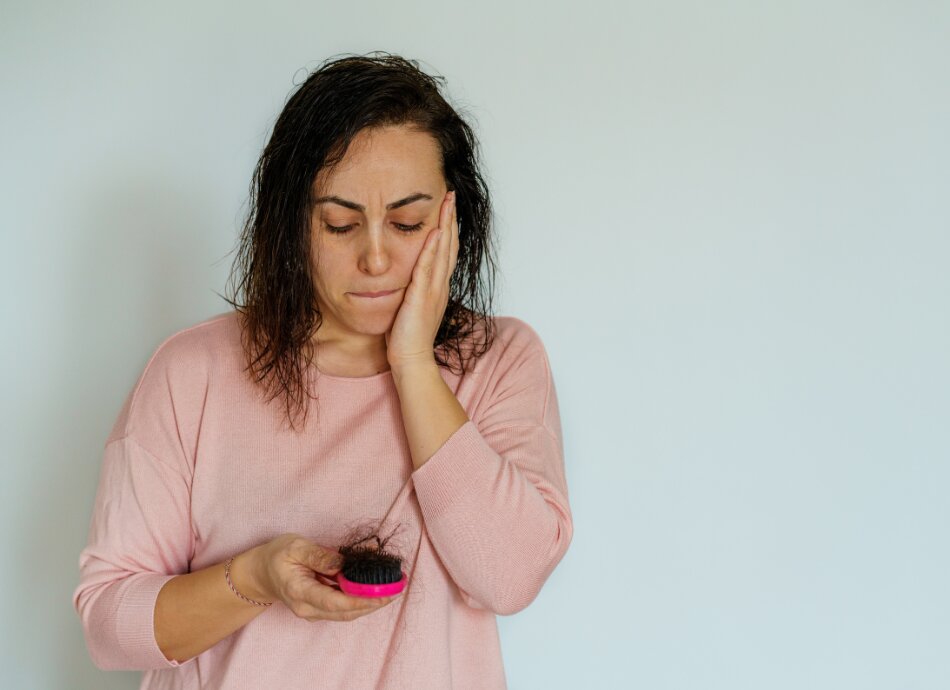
x,y
197,610
493,494
430,411
140,538
140,607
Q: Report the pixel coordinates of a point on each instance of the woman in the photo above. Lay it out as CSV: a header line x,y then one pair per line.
x,y
214,541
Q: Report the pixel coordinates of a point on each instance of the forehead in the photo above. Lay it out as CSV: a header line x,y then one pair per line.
x,y
384,157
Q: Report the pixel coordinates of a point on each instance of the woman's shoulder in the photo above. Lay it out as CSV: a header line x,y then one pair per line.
x,y
514,337
513,330
178,370
206,338
193,350
516,349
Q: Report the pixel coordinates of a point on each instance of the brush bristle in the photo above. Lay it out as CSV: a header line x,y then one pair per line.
x,y
371,567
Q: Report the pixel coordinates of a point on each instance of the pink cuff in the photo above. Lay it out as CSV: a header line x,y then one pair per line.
x,y
135,622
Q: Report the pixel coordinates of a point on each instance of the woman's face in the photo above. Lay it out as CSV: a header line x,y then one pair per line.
x,y
384,197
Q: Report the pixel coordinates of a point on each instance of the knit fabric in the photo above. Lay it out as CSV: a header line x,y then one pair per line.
x,y
199,467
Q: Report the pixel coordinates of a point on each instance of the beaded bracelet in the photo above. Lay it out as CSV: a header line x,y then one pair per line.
x,y
227,576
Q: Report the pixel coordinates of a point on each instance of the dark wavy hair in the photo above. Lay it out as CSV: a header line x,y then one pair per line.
x,y
274,291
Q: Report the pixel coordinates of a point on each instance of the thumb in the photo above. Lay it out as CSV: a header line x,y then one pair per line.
x,y
325,561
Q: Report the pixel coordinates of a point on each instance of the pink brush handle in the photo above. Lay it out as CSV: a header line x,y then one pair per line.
x,y
358,589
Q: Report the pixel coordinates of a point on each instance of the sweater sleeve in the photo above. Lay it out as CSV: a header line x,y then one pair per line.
x,y
139,539
494,496
140,534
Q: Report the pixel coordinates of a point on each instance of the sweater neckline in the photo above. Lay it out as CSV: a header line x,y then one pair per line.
x,y
352,379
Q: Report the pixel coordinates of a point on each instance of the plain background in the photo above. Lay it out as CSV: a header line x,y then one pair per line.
x,y
729,223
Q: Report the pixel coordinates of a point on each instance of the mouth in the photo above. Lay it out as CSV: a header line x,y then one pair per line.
x,y
374,295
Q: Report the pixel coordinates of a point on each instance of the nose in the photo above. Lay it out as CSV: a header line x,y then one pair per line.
x,y
374,252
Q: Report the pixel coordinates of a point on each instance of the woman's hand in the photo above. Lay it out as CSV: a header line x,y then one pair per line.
x,y
412,337
294,570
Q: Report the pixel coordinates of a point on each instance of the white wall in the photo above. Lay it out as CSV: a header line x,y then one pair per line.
x,y
730,223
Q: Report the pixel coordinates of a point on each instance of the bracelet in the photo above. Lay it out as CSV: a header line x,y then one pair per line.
x,y
227,576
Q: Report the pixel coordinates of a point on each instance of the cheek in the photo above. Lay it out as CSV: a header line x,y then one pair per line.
x,y
413,251
325,267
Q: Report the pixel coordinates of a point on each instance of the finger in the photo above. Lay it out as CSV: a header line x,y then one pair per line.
x,y
453,238
325,562
440,260
426,263
455,251
445,249
445,212
326,580
368,605
316,557
336,601
422,272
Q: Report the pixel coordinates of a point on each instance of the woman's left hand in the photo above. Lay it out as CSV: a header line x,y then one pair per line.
x,y
412,337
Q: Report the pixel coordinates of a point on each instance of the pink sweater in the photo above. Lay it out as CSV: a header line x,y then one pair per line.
x,y
198,468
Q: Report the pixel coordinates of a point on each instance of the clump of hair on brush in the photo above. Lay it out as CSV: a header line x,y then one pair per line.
x,y
370,568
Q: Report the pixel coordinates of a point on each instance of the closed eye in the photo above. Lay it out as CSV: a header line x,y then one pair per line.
x,y
408,228
343,229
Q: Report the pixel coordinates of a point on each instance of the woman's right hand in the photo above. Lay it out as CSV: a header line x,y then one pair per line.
x,y
288,568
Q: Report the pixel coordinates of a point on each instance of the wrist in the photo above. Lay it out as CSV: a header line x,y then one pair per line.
x,y
413,368
246,576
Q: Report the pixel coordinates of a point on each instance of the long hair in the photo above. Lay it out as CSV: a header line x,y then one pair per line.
x,y
274,292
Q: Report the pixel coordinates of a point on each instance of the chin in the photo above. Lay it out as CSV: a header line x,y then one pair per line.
x,y
376,324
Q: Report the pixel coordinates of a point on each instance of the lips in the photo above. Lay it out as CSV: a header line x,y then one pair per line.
x,y
374,294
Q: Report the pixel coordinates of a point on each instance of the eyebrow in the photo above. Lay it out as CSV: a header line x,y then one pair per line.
x,y
333,199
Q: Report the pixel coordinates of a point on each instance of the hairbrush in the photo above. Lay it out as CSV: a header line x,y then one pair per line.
x,y
370,570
